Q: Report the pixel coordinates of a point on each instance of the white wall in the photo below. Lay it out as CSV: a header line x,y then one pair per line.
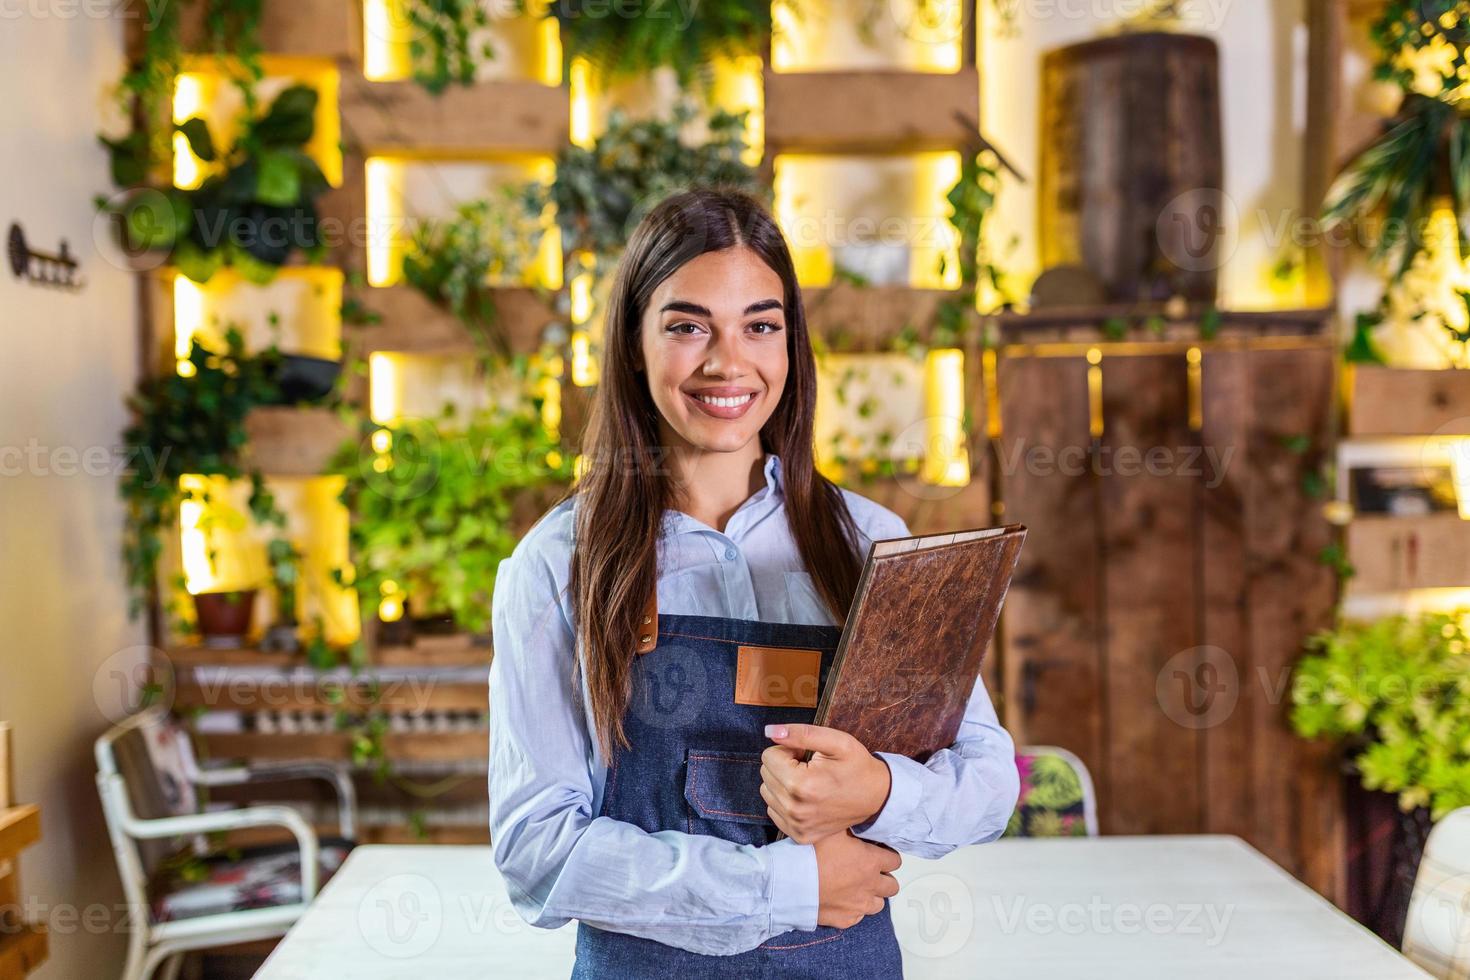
x,y
1262,84
65,366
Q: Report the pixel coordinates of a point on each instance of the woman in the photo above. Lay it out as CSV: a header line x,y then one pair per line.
x,y
634,785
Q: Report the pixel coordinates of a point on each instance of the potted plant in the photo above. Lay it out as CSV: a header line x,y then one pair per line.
x,y
285,566
1394,694
439,503
224,617
1418,168
253,212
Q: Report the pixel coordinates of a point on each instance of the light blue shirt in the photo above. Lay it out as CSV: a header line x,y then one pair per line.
x,y
562,861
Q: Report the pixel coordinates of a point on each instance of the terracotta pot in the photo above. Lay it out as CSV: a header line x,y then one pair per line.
x,y
224,617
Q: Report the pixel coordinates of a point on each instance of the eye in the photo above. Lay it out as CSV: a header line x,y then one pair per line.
x,y
678,328
771,326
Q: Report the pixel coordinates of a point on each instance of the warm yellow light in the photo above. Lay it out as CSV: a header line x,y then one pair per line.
x,y
390,609
198,570
946,452
584,366
382,441
1459,452
384,179
384,396
386,38
579,466
189,101
581,298
740,87
551,53
580,95
935,174
188,320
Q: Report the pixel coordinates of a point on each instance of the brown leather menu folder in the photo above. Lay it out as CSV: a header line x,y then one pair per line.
x,y
920,622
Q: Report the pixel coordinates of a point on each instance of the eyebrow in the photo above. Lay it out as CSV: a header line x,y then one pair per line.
x,y
684,306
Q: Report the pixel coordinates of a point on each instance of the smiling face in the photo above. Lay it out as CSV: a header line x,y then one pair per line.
x,y
714,350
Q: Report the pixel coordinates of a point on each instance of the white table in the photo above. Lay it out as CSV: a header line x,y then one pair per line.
x,y
1199,908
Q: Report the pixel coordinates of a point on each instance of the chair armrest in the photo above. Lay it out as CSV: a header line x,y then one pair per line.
x,y
340,780
254,816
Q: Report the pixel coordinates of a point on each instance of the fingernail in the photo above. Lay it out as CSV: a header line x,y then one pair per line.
x,y
775,731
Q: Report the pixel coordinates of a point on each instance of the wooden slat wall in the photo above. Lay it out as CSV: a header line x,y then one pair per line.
x,y
1052,636
1148,559
1158,609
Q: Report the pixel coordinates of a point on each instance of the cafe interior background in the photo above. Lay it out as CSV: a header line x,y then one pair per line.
x,y
1132,274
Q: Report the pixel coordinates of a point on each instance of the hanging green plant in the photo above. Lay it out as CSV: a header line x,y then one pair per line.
x,y
602,192
191,425
457,262
437,509
1425,151
972,202
679,34
449,42
253,213
1396,693
145,92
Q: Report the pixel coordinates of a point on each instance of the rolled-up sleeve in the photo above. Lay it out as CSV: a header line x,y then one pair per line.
x,y
963,794
561,861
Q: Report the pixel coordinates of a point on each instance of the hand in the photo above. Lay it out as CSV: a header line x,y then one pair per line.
x,y
843,784
853,879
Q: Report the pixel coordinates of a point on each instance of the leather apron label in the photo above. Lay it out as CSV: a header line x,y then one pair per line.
x,y
777,676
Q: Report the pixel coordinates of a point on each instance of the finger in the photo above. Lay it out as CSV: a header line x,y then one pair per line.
x,y
875,905
779,819
887,885
778,774
781,756
818,738
776,780
889,860
773,802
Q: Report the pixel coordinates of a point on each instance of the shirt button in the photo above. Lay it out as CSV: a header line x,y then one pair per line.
x,y
729,554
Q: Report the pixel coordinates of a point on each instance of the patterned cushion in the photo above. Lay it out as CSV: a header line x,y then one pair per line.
x,y
1052,802
251,879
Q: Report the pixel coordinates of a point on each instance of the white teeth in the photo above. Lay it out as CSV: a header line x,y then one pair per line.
x,y
725,402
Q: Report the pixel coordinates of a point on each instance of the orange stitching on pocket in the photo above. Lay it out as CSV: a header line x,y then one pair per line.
x,y
814,942
693,774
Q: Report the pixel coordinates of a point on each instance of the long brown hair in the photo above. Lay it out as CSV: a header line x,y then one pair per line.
x,y
625,488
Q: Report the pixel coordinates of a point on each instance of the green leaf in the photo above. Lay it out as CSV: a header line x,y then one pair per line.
x,y
201,144
291,119
278,181
196,263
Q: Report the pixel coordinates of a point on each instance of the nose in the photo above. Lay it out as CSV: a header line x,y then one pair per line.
x,y
725,357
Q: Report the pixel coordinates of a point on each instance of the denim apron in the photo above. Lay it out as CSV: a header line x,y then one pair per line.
x,y
694,765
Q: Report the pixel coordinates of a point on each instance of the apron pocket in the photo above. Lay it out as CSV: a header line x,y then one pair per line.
x,y
723,790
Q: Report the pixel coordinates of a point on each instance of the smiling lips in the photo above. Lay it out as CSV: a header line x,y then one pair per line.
x,y
723,403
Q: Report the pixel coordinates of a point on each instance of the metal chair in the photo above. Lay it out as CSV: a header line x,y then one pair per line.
x,y
1057,796
1437,931
148,778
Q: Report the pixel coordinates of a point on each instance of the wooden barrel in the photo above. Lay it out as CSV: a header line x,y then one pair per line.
x,y
1131,168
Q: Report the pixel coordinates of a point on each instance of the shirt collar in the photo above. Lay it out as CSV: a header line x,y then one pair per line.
x,y
676,521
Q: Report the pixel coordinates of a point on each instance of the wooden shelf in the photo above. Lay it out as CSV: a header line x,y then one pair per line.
x,y
869,111
446,651
1407,402
491,118
337,747
289,441
272,694
414,324
1393,554
20,827
23,951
